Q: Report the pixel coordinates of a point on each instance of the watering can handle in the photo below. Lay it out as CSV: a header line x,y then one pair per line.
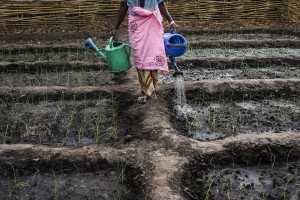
x,y
112,38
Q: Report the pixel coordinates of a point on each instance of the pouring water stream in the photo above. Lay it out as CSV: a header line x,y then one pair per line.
x,y
180,91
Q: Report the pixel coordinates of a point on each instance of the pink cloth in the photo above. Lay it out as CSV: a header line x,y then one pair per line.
x,y
146,39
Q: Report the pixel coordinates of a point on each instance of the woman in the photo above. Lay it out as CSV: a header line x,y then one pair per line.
x,y
145,33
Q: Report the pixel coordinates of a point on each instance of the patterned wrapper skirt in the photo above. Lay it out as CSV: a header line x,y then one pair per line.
x,y
148,82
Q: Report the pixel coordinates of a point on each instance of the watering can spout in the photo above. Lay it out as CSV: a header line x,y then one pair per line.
x,y
173,63
89,43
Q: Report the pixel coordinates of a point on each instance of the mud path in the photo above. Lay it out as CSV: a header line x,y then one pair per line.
x,y
145,150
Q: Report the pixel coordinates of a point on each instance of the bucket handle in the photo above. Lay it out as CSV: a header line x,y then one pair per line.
x,y
176,45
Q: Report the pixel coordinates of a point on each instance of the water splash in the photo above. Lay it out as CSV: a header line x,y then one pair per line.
x,y
182,109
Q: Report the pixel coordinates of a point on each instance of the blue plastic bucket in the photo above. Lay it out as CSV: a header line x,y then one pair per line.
x,y
175,44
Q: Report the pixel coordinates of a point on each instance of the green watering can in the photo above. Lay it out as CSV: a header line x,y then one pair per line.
x,y
116,54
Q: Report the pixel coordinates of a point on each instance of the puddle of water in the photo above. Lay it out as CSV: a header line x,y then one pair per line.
x,y
246,105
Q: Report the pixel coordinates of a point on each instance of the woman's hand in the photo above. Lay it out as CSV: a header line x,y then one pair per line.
x,y
113,31
173,27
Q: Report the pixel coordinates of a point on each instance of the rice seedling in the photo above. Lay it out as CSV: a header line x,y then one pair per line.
x,y
98,125
295,197
25,135
212,119
36,179
69,77
121,170
70,121
272,157
17,185
79,79
57,185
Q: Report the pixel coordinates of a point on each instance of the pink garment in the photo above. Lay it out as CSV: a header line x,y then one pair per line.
x,y
146,39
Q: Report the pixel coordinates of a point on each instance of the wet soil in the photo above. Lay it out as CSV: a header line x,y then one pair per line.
x,y
208,119
62,179
59,78
60,105
64,122
260,173
197,73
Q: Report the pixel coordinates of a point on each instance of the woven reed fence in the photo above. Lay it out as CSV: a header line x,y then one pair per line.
x,y
292,12
20,13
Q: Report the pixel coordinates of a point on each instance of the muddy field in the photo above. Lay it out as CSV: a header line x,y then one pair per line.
x,y
69,129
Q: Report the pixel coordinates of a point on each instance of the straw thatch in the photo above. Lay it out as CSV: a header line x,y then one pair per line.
x,y
81,13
